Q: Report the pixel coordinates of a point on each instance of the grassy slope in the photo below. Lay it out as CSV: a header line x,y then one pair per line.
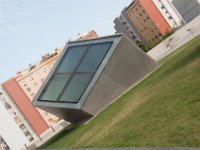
x,y
162,111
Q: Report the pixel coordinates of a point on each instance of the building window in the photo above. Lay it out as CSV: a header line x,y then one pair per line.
x,y
50,120
163,7
31,139
74,72
7,106
170,17
35,84
32,94
140,14
31,78
22,126
24,83
27,133
28,89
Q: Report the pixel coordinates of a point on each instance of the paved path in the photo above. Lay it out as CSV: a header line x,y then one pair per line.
x,y
179,38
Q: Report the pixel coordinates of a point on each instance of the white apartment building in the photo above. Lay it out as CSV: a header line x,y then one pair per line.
x,y
15,131
169,12
3,144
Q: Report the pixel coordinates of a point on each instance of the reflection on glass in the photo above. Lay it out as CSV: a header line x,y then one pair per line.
x,y
94,57
71,59
55,87
74,72
76,87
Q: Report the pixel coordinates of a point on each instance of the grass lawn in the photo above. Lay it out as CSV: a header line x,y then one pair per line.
x,y
161,111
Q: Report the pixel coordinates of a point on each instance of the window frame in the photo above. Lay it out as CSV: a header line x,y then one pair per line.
x,y
74,73
115,39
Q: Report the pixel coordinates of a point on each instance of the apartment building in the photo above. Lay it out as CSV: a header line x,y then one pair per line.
x,y
31,79
148,20
145,19
169,12
15,131
23,103
15,114
124,25
3,144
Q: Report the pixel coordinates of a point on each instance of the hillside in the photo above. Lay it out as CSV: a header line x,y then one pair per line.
x,y
162,111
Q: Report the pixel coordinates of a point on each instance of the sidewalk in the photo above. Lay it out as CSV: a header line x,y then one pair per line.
x,y
176,40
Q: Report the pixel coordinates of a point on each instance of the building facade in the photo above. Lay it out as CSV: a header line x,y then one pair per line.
x,y
124,25
16,115
15,130
23,103
31,79
3,144
168,11
90,75
188,9
148,20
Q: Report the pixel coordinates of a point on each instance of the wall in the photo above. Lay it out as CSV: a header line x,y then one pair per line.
x,y
166,9
16,115
30,80
156,16
188,9
133,27
176,40
9,130
142,20
120,28
24,104
126,66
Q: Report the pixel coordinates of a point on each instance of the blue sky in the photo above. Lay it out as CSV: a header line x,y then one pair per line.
x,y
31,28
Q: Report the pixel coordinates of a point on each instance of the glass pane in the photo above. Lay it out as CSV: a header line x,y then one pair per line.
x,y
55,87
76,87
71,59
94,57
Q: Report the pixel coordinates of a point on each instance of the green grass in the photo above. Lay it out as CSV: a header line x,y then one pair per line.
x,y
161,111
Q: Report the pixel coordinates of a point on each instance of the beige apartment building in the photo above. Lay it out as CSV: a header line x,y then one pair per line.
x,y
31,79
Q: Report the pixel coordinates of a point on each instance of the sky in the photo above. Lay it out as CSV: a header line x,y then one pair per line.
x,y
31,28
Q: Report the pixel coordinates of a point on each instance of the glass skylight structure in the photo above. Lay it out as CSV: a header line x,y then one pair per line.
x,y
74,72
90,75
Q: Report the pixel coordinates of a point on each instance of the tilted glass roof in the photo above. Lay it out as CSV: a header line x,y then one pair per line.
x,y
74,72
